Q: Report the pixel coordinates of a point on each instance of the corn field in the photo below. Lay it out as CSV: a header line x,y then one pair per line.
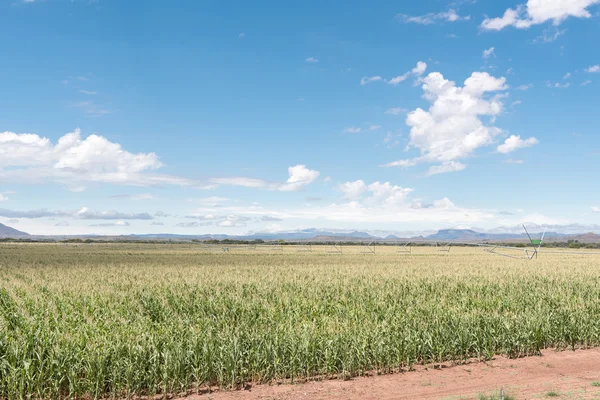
x,y
97,321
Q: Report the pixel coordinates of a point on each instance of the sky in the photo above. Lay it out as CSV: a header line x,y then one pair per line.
x,y
233,117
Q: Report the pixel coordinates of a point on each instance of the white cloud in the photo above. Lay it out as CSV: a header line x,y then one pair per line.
x,y
88,92
380,193
368,79
29,158
90,108
431,18
270,218
593,68
141,196
396,111
567,75
374,127
539,11
596,209
488,53
514,142
83,213
312,60
420,68
233,221
515,103
114,224
513,161
450,166
193,224
157,223
525,87
299,176
585,83
549,35
240,181
558,85
452,129
353,190
2,197
213,201
352,129
398,79
417,71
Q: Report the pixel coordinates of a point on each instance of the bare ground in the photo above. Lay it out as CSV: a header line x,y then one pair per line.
x,y
564,374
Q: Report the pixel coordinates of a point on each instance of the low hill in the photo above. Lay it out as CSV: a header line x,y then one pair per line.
x,y
8,232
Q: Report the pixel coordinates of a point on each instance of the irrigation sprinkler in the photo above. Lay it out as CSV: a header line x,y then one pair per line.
x,y
368,249
306,248
277,247
528,254
404,248
443,246
337,248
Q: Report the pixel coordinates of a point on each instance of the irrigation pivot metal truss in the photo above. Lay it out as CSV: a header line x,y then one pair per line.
x,y
368,248
404,247
527,253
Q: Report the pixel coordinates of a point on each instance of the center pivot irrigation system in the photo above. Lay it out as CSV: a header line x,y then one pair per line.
x,y
526,251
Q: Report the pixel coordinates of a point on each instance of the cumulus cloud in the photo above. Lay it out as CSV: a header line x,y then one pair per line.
x,y
353,190
538,12
73,159
514,142
452,128
2,197
593,68
380,193
585,83
300,176
431,18
420,68
352,129
596,209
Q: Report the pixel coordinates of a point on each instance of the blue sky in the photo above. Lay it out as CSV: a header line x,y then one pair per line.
x,y
233,117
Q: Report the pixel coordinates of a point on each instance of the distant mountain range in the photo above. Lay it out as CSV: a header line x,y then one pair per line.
x,y
583,233
8,232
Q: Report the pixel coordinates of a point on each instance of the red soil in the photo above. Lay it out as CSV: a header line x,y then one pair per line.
x,y
569,374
